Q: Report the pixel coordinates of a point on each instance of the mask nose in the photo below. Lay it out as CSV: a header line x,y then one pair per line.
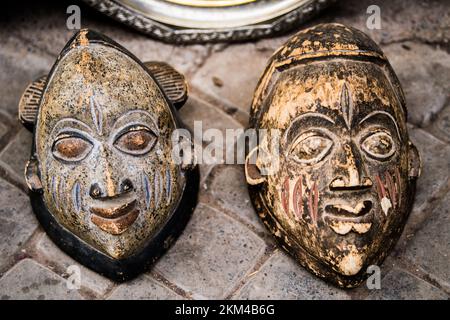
x,y
98,192
350,174
109,184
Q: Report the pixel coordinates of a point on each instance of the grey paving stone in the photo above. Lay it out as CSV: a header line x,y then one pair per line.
x,y
144,288
44,26
400,285
212,255
54,257
205,170
425,21
227,188
435,172
16,154
3,128
29,280
17,222
400,19
231,75
20,64
208,118
429,249
441,126
424,73
211,117
185,59
281,278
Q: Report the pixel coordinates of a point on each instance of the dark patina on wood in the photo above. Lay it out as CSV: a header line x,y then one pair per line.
x,y
102,180
339,191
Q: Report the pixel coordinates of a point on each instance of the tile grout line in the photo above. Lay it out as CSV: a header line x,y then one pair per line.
x,y
409,266
222,107
159,278
269,251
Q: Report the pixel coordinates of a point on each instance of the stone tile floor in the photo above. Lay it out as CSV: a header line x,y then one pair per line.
x,y
225,252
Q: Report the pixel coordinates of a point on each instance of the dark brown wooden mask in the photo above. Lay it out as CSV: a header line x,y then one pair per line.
x,y
101,176
342,173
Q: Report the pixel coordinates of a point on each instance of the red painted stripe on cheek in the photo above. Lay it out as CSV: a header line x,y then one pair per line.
x,y
380,187
298,197
285,195
391,188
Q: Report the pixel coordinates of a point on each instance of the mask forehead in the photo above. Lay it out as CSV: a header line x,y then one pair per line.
x,y
341,88
96,84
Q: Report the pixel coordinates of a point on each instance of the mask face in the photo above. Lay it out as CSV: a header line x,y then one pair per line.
x,y
103,150
343,188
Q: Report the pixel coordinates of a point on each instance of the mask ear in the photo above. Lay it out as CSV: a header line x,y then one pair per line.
x,y
29,102
171,81
32,175
252,172
414,162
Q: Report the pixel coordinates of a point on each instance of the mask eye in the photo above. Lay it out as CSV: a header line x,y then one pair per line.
x,y
378,145
136,141
71,148
311,148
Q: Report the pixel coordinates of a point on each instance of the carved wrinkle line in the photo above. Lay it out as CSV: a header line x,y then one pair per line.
x,y
97,116
161,185
54,189
76,198
156,184
62,191
147,191
168,185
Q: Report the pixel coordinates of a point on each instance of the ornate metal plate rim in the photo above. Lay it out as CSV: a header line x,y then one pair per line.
x,y
174,34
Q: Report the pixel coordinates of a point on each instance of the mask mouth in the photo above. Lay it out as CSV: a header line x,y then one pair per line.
x,y
114,215
343,210
343,219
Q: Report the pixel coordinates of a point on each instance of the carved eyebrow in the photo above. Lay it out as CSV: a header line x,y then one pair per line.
x,y
143,113
71,121
306,115
314,114
374,113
